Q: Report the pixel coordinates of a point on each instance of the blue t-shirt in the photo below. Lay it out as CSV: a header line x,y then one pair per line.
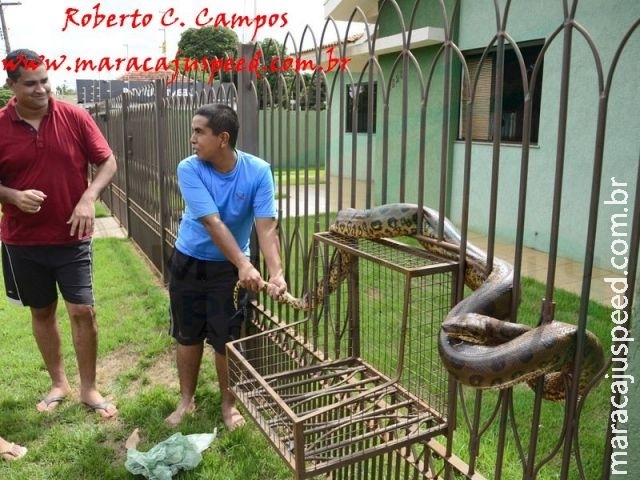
x,y
239,197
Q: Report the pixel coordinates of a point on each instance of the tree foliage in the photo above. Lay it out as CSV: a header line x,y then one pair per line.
x,y
5,96
288,88
207,42
277,86
199,47
270,52
64,90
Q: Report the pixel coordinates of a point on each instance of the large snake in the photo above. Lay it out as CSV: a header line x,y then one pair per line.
x,y
477,343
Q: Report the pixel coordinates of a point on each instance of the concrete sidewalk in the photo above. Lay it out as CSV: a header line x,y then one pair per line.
x,y
108,227
568,273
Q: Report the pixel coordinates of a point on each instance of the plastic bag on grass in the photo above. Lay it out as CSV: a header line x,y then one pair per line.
x,y
167,458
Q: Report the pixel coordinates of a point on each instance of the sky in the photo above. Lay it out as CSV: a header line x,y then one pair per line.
x,y
46,27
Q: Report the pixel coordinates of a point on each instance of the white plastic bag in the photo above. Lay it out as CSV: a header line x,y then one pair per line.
x,y
164,460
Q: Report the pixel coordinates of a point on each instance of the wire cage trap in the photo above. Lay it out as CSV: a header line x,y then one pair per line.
x,y
360,376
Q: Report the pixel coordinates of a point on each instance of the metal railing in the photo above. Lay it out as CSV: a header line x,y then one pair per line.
x,y
405,139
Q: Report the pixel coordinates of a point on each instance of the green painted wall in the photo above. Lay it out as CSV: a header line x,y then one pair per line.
x,y
534,20
349,152
391,158
292,139
400,128
415,128
427,14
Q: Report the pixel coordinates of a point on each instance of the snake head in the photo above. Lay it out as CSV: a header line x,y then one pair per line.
x,y
460,328
482,329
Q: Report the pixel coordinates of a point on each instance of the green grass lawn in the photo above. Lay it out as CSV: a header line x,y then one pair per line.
x,y
593,420
299,177
101,210
137,371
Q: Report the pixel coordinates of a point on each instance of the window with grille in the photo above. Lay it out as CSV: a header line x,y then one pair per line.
x,y
358,98
513,95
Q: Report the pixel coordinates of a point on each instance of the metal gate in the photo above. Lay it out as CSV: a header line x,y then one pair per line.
x,y
514,119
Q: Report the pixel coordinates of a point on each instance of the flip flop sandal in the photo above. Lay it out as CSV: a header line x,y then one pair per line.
x,y
14,452
104,406
49,400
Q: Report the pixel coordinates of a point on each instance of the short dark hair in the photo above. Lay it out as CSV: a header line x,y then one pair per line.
x,y
221,118
17,60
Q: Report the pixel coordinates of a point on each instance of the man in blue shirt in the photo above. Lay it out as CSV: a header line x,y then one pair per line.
x,y
226,192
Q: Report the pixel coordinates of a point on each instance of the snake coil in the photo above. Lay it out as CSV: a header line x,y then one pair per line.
x,y
477,343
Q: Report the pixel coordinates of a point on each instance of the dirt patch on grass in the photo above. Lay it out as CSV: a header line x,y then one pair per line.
x,y
162,371
109,368
145,373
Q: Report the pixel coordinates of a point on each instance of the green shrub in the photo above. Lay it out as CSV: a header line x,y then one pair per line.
x,y
5,95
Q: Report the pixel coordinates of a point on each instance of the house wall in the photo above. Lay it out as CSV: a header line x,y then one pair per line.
x,y
535,20
427,14
388,162
348,151
290,141
415,125
394,150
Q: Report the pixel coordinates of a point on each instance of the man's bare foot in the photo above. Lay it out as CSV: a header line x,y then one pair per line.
x,y
53,399
183,409
232,418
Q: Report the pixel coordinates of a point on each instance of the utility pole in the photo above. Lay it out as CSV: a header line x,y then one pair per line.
x,y
163,47
5,30
127,73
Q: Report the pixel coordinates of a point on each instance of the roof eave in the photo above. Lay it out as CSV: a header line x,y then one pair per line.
x,y
343,10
